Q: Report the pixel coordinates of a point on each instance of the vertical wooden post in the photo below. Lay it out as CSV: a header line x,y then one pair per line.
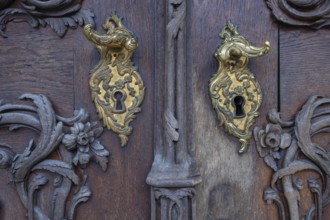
x,y
174,172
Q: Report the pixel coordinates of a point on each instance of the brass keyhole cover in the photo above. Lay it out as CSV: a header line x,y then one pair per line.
x,y
114,76
235,93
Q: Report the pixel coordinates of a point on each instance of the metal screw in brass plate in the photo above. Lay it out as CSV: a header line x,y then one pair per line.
x,y
235,93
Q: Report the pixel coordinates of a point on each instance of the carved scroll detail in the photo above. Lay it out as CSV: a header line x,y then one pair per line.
x,y
177,201
287,148
174,172
58,14
314,14
73,139
116,86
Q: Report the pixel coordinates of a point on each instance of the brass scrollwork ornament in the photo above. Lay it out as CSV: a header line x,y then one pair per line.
x,y
116,87
235,93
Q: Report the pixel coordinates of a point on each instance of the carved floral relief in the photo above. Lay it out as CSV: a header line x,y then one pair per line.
x,y
288,149
75,142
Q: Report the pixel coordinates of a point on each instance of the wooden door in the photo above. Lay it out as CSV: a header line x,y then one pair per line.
x,y
179,163
38,61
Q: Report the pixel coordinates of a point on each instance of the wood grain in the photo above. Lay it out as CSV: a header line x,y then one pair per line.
x,y
304,67
31,62
304,71
38,61
122,189
232,186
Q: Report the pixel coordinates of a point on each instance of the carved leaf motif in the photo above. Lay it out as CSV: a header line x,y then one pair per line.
x,y
101,154
294,167
102,161
59,15
50,137
59,167
37,182
11,14
99,149
60,25
6,156
271,162
303,124
43,119
294,144
81,196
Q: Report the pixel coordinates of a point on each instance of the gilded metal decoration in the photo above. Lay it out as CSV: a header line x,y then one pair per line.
x,y
74,142
58,14
116,86
310,13
236,95
290,149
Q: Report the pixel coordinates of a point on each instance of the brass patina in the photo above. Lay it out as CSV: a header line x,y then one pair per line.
x,y
116,87
236,95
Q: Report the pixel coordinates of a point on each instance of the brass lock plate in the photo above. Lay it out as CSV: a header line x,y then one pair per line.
x,y
235,93
116,86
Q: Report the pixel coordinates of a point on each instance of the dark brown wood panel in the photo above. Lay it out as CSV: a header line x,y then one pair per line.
x,y
232,186
304,66
304,72
38,61
122,189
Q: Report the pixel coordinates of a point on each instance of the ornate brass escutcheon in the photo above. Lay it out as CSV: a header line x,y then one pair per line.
x,y
236,95
116,86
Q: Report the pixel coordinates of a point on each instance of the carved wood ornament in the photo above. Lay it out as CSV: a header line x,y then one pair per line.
x,y
311,13
58,14
73,140
174,172
288,149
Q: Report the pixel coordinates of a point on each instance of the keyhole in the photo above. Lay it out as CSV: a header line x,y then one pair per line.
x,y
239,104
119,99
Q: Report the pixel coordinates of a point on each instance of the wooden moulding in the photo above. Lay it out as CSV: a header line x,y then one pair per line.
x,y
174,172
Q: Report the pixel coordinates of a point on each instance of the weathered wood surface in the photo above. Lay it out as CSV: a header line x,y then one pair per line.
x,y
38,61
304,68
232,186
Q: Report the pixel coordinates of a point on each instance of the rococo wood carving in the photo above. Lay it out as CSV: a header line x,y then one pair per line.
x,y
116,86
65,148
175,201
287,147
236,95
311,13
174,172
58,14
